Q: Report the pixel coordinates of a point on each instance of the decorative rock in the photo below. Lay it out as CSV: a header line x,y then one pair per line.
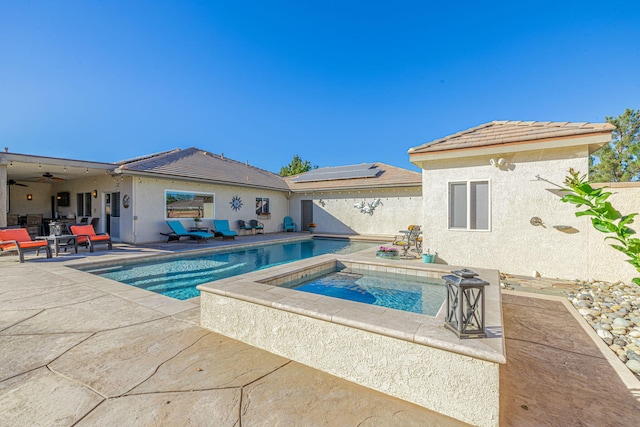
x,y
632,355
613,311
606,336
634,365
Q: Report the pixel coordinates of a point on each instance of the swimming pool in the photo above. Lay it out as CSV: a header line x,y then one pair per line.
x,y
177,277
424,297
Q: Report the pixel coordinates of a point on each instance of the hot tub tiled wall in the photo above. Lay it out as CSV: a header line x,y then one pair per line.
x,y
406,355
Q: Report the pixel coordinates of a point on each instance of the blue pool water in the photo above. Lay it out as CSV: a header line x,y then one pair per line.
x,y
178,277
392,292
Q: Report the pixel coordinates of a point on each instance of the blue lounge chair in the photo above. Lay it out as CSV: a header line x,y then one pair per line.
x,y
289,225
178,231
222,229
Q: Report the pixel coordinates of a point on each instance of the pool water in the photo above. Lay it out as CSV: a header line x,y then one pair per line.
x,y
177,277
386,291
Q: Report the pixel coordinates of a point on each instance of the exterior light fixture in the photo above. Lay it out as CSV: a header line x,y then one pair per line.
x,y
94,193
498,163
29,196
465,304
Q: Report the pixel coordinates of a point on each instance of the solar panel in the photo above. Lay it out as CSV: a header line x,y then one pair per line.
x,y
363,170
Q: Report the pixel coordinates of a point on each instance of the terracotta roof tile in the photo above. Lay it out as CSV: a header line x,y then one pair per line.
x,y
506,131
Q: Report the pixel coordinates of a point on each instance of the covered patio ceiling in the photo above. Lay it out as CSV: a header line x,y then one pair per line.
x,y
29,168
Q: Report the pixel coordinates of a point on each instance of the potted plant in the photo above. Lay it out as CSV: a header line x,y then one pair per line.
x,y
312,227
388,252
197,220
428,256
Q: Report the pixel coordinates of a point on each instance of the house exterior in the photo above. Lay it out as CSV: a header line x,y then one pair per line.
x,y
134,198
491,199
369,199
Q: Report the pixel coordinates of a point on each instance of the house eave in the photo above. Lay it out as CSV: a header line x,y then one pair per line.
x,y
593,142
157,175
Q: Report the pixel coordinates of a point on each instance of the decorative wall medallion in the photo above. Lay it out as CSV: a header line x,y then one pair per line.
x,y
236,203
126,201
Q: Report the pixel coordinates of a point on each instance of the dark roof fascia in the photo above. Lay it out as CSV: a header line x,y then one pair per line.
x,y
128,172
6,158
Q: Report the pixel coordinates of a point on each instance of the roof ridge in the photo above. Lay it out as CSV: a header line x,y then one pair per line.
x,y
145,157
246,163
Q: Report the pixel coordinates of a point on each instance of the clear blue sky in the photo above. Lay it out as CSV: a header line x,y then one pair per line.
x,y
336,82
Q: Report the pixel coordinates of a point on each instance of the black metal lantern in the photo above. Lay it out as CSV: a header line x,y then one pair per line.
x,y
465,304
55,228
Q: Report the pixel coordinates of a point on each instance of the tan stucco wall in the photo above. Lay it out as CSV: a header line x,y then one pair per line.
x,y
147,199
513,245
457,385
336,213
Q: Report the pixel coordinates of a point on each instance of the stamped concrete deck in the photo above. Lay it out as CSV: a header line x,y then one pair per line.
x,y
77,352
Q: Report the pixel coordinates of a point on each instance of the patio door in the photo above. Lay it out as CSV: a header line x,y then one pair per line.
x,y
111,214
307,214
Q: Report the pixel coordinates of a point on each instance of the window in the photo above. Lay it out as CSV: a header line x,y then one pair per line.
x,y
469,205
262,205
182,204
83,203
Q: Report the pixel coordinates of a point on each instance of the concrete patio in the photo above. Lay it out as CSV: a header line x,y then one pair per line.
x,y
76,352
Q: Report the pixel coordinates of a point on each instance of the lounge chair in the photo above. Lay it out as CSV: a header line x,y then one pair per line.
x,y
178,231
245,226
87,236
18,239
257,226
289,225
222,229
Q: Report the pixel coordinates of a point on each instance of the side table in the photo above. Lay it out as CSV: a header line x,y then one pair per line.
x,y
62,241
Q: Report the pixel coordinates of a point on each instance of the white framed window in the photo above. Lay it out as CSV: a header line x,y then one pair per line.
x,y
186,204
262,205
469,205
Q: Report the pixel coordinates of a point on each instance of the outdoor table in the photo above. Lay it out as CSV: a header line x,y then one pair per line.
x,y
62,241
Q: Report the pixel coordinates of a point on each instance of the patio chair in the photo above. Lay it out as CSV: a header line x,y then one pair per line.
x,y
13,220
222,229
407,239
94,222
87,236
19,240
34,224
257,226
245,226
289,225
178,231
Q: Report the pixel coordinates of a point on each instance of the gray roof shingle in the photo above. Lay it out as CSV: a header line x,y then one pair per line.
x,y
194,163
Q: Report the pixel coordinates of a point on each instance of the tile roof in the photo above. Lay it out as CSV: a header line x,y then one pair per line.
x,y
194,163
389,176
507,131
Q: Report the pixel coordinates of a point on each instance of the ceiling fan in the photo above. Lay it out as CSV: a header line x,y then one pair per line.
x,y
47,176
14,182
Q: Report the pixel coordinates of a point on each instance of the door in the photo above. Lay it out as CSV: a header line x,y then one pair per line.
x,y
307,214
112,214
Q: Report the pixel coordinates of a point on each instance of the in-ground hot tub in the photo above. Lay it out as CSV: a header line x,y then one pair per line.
x,y
407,355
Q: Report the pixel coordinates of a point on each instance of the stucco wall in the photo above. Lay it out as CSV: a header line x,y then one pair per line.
x,y
148,197
513,245
334,212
